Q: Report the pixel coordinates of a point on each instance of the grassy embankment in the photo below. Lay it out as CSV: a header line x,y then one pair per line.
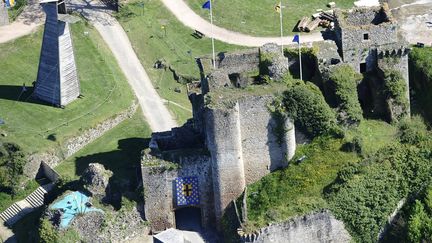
x,y
28,123
258,17
175,45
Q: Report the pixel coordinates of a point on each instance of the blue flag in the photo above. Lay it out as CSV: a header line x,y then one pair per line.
x,y
187,191
296,39
207,5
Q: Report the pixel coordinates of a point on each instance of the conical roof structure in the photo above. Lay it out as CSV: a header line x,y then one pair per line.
x,y
57,80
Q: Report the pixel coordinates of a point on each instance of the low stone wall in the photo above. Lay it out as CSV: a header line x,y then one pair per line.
x,y
74,144
316,227
77,143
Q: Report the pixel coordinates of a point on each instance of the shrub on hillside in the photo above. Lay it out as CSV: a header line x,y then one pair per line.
x,y
420,219
343,80
412,131
12,162
305,104
47,233
368,194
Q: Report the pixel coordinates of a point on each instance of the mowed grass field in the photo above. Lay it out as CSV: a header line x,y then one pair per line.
x,y
258,17
175,45
28,123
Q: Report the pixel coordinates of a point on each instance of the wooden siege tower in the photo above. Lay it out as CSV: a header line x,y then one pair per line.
x,y
57,79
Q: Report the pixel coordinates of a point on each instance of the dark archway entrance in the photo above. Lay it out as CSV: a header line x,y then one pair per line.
x,y
188,218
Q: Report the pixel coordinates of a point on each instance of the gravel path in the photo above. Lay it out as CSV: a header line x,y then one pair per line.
x,y
155,112
26,23
189,18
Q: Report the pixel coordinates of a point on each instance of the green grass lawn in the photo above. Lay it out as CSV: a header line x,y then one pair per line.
x,y
258,17
374,133
105,89
178,48
119,150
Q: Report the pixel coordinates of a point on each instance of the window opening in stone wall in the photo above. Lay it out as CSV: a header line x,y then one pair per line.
x,y
365,36
362,67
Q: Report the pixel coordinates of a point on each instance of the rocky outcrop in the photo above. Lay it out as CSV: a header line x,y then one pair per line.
x,y
88,226
120,226
96,179
316,227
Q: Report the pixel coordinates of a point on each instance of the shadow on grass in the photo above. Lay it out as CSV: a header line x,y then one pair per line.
x,y
20,94
125,165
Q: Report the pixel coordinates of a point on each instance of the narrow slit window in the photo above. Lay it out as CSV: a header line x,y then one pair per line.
x,y
365,36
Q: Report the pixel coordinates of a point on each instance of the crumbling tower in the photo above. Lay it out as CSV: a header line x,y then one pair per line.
x,y
57,80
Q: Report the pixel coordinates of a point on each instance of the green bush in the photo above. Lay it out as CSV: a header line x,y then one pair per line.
x,y
47,233
419,224
305,104
412,131
364,196
12,162
420,60
344,80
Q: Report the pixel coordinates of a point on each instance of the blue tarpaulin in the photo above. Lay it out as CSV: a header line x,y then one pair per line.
x,y
2,122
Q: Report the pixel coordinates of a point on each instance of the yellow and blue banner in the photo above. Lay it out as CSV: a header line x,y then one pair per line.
x,y
10,3
187,191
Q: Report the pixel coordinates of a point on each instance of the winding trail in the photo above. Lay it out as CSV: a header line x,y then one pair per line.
x,y
26,23
153,107
189,18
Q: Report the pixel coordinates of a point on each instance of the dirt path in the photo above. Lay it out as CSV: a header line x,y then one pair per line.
x,y
415,19
189,18
155,112
26,23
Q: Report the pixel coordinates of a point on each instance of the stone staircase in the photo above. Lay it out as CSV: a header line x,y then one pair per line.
x,y
19,209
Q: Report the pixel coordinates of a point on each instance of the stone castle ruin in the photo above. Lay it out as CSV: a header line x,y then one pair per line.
x,y
368,39
57,79
230,142
234,138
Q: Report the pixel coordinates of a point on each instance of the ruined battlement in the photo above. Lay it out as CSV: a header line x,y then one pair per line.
x,y
358,31
364,17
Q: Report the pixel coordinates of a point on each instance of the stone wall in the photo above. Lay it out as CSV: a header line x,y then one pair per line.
x,y
396,59
223,137
351,27
159,188
245,146
316,227
74,144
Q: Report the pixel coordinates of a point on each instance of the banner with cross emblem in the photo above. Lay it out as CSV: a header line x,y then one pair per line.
x,y
187,191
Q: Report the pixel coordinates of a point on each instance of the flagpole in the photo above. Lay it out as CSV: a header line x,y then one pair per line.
x,y
300,58
281,24
212,39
